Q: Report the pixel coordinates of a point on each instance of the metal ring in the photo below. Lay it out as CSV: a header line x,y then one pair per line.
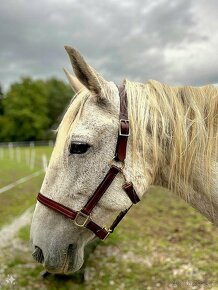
x,y
110,163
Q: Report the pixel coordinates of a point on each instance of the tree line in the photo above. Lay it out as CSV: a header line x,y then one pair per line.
x,y
31,109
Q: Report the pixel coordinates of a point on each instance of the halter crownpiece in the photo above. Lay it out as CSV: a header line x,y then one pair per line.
x,y
83,218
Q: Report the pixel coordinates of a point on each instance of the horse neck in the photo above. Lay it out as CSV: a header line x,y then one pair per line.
x,y
199,187
194,193
174,139
200,190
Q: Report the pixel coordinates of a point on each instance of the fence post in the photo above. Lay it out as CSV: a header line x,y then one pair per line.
x,y
11,150
18,154
1,153
32,158
51,143
27,156
44,162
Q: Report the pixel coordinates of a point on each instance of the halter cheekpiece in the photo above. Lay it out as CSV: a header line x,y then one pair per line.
x,y
83,217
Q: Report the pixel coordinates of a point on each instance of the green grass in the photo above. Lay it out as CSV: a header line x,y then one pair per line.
x,y
12,169
162,243
24,234
14,201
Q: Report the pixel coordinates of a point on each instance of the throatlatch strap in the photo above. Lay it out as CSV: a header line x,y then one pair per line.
x,y
119,218
130,191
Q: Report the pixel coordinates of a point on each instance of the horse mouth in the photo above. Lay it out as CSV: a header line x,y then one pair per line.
x,y
74,260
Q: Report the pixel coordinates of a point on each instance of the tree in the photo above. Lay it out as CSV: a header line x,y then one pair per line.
x,y
1,101
25,111
58,97
32,108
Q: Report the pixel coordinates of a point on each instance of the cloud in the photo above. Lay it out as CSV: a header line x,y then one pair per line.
x,y
171,41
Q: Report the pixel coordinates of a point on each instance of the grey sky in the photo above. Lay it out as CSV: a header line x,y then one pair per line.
x,y
170,41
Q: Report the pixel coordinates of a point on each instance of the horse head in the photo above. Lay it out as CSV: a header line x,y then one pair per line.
x,y
83,154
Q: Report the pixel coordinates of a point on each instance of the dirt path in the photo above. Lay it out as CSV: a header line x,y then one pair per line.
x,y
7,233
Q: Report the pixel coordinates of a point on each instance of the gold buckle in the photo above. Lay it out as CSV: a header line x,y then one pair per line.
x,y
109,231
120,127
81,215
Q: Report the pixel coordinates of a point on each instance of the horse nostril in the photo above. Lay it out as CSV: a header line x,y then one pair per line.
x,y
71,249
38,255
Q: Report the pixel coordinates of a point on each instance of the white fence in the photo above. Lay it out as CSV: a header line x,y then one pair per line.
x,y
27,143
14,151
25,152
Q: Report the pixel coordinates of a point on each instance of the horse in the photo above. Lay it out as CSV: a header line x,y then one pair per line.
x,y
172,142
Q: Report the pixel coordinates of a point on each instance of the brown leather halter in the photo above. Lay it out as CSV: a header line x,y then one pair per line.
x,y
83,218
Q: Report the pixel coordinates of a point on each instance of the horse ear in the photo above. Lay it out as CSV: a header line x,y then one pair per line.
x,y
75,84
85,73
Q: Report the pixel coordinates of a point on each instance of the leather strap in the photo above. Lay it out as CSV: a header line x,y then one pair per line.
x,y
100,232
103,186
130,191
119,218
66,211
123,133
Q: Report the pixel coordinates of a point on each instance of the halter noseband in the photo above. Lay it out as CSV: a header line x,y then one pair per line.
x,y
83,218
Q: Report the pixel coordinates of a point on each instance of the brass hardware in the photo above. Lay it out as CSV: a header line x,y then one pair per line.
x,y
83,216
108,232
111,162
120,128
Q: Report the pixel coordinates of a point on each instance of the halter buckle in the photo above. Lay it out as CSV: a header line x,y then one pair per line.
x,y
85,219
109,231
122,130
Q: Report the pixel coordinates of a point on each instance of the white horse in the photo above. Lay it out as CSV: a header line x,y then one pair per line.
x,y
173,143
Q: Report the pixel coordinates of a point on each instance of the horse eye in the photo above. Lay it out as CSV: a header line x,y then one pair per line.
x,y
78,148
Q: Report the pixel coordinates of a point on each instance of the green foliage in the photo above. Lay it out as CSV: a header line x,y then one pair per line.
x,y
31,108
1,102
58,96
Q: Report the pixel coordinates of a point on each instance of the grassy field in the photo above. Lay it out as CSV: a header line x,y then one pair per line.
x,y
13,169
161,244
19,198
